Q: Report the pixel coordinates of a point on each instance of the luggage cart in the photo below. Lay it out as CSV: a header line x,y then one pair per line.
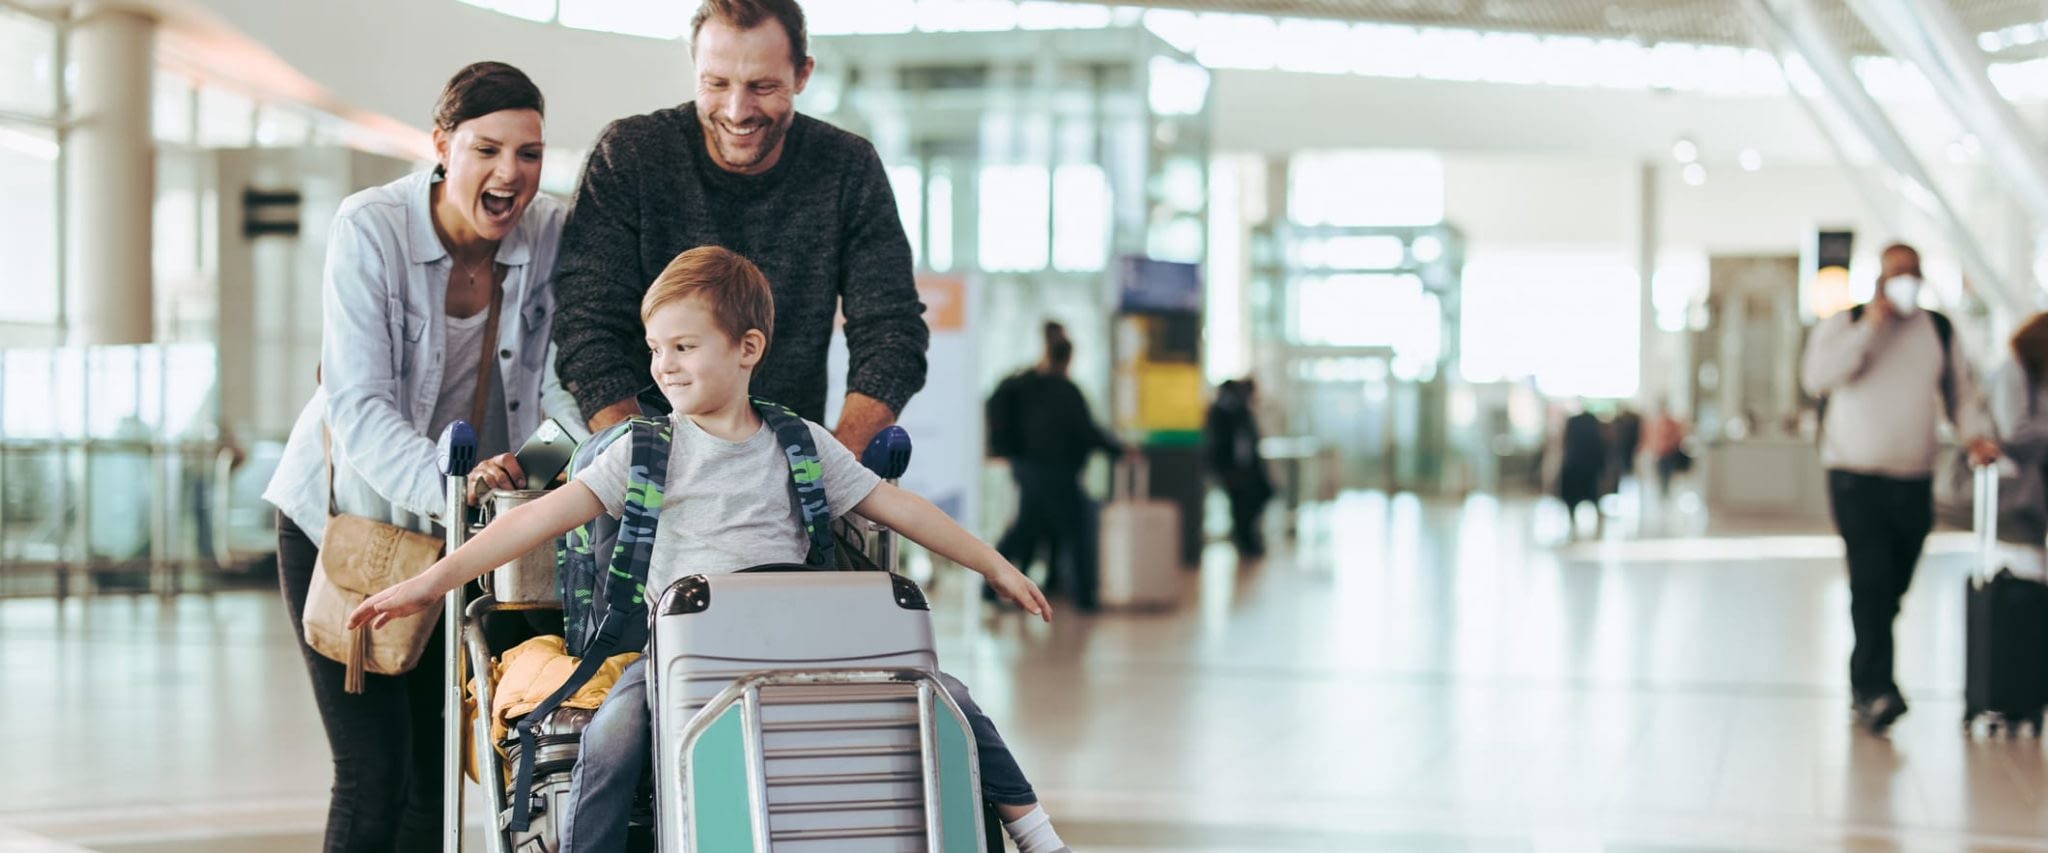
x,y
946,766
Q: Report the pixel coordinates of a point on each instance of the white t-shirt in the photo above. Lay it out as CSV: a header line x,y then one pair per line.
x,y
727,505
458,387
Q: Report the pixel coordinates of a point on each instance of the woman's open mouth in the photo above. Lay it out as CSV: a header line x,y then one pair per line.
x,y
499,203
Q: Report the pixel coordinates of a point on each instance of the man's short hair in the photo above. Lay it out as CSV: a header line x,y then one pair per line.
x,y
748,14
736,291
1901,247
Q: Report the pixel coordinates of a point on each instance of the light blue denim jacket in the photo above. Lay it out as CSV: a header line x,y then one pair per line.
x,y
382,353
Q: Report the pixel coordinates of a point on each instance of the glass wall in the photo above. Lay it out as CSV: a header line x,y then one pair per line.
x,y
29,178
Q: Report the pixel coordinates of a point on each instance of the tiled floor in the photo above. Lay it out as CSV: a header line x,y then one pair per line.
x,y
1420,676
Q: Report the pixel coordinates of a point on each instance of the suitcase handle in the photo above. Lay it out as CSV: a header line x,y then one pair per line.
x,y
1984,516
1130,479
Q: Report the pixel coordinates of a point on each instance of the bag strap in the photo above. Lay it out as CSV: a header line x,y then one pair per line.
x,y
485,361
806,479
625,593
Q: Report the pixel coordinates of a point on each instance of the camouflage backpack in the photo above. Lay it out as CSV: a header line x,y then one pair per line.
x,y
605,613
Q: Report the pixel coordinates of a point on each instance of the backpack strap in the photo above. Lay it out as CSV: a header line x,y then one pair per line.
x,y
806,479
1945,331
625,592
576,559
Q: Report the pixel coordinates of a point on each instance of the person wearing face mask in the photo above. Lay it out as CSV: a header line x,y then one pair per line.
x,y
739,168
436,290
1887,373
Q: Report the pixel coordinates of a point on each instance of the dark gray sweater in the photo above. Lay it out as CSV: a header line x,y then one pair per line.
x,y
821,224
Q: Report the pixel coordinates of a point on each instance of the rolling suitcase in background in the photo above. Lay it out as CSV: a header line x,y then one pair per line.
x,y
1139,563
2006,665
823,726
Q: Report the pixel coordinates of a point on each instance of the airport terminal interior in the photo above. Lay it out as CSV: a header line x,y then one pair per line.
x,y
1364,290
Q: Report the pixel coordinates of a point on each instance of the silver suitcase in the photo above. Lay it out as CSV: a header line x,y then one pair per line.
x,y
1139,563
797,710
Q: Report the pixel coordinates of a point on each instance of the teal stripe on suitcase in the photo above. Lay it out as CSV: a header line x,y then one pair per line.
x,y
722,819
959,802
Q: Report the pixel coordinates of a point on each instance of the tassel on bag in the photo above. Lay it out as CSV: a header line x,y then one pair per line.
x,y
358,654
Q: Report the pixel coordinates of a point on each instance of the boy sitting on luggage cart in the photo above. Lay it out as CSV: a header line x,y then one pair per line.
x,y
726,507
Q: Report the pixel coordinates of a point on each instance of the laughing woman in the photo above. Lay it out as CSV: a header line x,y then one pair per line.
x,y
436,294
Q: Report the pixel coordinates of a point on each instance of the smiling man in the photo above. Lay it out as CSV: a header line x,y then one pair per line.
x,y
807,202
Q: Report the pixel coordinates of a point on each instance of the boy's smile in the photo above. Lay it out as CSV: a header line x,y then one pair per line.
x,y
701,370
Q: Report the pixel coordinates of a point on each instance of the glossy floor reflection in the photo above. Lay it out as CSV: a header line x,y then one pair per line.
x,y
1409,676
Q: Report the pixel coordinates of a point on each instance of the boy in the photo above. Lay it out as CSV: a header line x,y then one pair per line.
x,y
726,508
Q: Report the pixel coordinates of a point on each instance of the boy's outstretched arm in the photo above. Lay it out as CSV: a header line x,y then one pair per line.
x,y
516,532
911,515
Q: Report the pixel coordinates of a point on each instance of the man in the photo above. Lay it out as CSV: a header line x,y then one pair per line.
x,y
1039,421
1232,434
1887,371
738,167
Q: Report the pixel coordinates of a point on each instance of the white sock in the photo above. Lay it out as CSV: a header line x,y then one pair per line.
x,y
1034,833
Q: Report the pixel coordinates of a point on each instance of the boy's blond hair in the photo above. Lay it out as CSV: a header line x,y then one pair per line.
x,y
735,290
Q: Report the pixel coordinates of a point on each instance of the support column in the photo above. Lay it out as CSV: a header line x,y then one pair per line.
x,y
110,178
1650,372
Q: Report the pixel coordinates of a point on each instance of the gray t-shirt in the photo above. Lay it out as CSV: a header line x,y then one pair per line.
x,y
727,504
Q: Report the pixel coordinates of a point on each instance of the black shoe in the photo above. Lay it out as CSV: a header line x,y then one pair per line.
x,y
1880,713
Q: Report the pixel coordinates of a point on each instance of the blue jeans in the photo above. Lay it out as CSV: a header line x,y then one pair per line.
x,y
618,746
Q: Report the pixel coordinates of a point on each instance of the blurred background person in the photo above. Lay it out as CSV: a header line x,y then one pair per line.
x,y
1039,421
1231,432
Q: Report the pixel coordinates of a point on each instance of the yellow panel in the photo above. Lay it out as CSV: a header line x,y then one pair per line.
x,y
1169,396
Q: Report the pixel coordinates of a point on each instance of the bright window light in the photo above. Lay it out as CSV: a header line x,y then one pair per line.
x,y
939,212
1566,317
1044,15
1239,41
1365,188
1181,29
1320,47
1681,278
532,10
1455,55
1176,88
1370,310
1225,338
847,17
906,183
1386,50
963,16
1080,193
1513,57
1015,206
663,19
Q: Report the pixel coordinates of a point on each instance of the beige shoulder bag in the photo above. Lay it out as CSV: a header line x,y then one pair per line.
x,y
360,557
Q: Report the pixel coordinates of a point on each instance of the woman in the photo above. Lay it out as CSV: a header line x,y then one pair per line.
x,y
2020,410
414,268
1232,433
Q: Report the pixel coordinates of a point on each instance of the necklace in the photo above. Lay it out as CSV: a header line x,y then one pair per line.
x,y
468,269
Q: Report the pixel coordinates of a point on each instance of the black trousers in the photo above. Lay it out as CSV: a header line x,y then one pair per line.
x,y
1884,523
1054,512
1247,507
386,740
